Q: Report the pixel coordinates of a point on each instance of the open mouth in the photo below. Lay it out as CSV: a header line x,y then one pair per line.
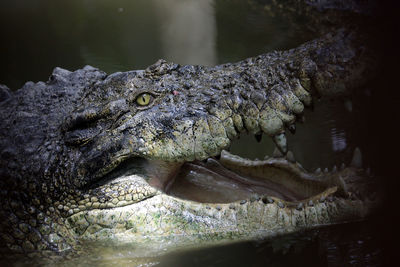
x,y
222,179
224,196
226,178
232,178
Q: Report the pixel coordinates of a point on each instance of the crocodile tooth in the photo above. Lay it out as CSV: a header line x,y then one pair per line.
x,y
258,137
326,170
292,128
277,153
334,169
299,165
281,143
357,158
339,181
318,171
290,157
300,206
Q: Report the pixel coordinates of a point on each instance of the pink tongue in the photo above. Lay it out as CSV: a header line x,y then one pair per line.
x,y
162,174
212,183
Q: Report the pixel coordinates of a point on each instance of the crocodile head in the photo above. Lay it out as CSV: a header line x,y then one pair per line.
x,y
114,155
159,172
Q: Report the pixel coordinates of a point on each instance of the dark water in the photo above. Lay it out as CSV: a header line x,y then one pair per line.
x,y
339,245
124,35
343,245
37,36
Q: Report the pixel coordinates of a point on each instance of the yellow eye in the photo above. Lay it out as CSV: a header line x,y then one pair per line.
x,y
143,99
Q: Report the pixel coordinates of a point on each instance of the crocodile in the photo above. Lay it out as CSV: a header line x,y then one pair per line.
x,y
98,157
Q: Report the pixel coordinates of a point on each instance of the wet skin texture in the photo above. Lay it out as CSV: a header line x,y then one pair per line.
x,y
90,156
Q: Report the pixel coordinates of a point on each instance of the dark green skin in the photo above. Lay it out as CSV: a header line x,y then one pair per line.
x,y
59,137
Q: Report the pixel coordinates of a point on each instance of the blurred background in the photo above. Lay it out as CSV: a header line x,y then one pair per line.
x,y
121,35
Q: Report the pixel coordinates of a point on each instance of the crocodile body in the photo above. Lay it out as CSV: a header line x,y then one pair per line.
x,y
91,156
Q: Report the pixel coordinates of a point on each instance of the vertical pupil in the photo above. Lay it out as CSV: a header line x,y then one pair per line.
x,y
143,99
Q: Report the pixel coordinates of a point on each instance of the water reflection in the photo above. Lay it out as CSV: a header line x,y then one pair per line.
x,y
188,31
343,245
125,35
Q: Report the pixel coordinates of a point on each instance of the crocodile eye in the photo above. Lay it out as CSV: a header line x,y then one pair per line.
x,y
143,99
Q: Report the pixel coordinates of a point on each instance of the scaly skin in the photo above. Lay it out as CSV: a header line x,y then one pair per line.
x,y
62,140
164,222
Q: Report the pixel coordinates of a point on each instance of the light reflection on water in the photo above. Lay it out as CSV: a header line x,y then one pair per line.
x,y
340,245
124,35
188,31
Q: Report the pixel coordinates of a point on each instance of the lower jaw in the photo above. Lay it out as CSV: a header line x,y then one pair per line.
x,y
180,217
163,222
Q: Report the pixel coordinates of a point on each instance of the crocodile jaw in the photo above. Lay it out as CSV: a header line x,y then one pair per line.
x,y
158,222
